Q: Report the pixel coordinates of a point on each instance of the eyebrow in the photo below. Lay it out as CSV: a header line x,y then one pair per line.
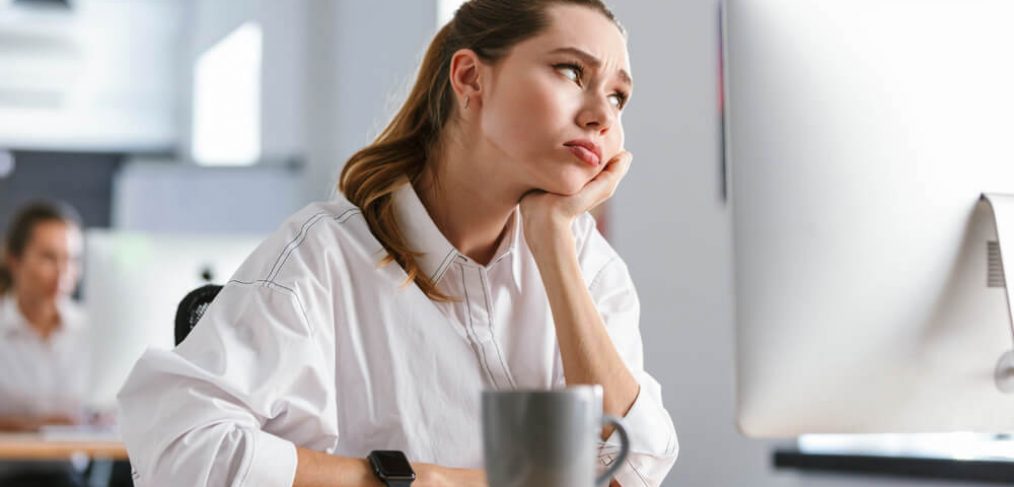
x,y
592,60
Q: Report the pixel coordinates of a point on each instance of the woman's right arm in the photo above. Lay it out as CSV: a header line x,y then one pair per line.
x,y
229,405
317,469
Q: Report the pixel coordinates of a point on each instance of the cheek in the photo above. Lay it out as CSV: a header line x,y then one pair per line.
x,y
44,270
616,139
527,118
32,276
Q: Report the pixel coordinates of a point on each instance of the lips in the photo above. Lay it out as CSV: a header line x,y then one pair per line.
x,y
585,150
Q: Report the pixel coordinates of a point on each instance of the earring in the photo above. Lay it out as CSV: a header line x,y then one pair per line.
x,y
466,102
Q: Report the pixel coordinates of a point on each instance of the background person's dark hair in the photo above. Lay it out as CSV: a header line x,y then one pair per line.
x,y
19,232
412,138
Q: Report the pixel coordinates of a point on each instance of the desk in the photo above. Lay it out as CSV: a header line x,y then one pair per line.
x,y
33,446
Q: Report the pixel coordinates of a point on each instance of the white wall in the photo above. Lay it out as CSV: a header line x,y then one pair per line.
x,y
333,74
283,66
99,76
171,197
674,231
176,196
363,58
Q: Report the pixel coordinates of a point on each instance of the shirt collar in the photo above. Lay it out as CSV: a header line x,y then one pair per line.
x,y
10,318
423,236
12,321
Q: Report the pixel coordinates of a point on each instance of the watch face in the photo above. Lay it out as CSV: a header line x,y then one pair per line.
x,y
392,464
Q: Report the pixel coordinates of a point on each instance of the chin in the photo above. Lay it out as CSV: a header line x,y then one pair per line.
x,y
564,188
571,184
562,177
567,182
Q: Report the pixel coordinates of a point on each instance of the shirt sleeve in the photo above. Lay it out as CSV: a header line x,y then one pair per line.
x,y
653,442
205,412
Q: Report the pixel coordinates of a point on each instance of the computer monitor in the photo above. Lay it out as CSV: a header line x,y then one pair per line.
x,y
860,135
133,283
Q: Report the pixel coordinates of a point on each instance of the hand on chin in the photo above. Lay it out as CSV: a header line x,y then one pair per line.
x,y
541,210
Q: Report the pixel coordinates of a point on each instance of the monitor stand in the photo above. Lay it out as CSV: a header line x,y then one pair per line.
x,y
1003,214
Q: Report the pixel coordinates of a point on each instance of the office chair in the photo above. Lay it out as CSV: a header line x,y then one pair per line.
x,y
192,307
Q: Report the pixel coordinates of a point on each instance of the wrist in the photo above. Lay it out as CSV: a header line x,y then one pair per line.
x,y
368,477
547,220
392,467
428,475
549,245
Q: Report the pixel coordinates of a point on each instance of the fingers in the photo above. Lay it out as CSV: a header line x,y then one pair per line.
x,y
619,166
620,160
595,192
610,177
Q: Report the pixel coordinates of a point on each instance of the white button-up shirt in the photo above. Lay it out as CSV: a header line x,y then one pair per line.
x,y
313,344
42,377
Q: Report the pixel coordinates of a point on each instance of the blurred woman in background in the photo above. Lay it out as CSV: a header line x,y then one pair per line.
x,y
43,347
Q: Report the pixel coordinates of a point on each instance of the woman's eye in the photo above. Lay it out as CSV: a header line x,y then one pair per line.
x,y
619,100
573,72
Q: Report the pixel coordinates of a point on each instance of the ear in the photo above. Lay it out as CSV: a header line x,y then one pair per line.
x,y
466,72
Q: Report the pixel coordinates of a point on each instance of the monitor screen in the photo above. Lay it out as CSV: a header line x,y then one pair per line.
x,y
133,283
860,136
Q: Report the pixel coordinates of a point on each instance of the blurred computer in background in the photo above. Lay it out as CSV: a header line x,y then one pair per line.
x,y
133,283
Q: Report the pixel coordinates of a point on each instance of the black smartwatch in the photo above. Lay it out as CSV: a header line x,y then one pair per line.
x,y
392,468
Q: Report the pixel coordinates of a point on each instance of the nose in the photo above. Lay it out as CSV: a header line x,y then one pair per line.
x,y
597,114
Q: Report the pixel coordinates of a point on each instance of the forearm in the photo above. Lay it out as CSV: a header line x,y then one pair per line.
x,y
318,469
32,423
18,423
587,352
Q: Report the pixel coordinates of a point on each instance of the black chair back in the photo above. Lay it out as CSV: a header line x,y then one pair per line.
x,y
192,307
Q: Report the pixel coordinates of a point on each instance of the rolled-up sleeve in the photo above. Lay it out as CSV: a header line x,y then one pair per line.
x,y
205,413
653,443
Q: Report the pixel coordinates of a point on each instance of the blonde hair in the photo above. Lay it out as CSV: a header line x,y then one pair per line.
x,y
401,151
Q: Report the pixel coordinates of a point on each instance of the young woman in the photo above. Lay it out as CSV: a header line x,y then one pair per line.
x,y
43,350
460,258
43,347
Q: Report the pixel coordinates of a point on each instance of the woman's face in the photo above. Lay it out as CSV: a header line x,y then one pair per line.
x,y
48,266
566,85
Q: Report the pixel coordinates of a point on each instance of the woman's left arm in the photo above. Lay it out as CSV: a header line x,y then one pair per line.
x,y
587,352
596,320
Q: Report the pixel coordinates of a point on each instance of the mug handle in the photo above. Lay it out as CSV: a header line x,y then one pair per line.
x,y
624,449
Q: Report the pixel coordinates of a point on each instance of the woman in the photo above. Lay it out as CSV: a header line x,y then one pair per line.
x,y
313,354
43,348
